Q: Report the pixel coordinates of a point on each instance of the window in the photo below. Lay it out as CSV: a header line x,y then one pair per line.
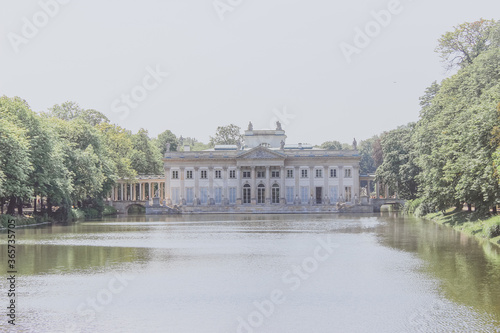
x,y
189,195
304,194
246,194
303,173
203,174
246,174
175,195
232,195
203,195
333,173
334,193
261,174
218,195
348,173
261,194
232,174
347,193
290,195
189,174
319,173
218,174
289,173
275,194
175,174
275,174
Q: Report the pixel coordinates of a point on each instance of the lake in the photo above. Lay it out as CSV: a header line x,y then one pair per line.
x,y
254,273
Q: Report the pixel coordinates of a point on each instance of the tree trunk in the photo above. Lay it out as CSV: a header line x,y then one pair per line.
x,y
20,206
34,206
469,207
495,209
2,202
11,208
49,207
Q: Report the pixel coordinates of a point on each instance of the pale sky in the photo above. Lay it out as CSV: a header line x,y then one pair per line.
x,y
265,60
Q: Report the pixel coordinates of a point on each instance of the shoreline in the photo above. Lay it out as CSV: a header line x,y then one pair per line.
x,y
482,226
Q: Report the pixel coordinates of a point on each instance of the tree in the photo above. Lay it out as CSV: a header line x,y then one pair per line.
x,y
332,145
166,137
455,137
227,135
399,169
460,47
367,164
146,157
71,110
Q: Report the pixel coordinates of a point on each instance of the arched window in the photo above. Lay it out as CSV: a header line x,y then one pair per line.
x,y
246,194
275,194
261,194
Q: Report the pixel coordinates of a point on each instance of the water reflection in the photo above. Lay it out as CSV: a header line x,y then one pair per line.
x,y
468,270
200,273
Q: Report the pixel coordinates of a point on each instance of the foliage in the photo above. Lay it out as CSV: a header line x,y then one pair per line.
x,y
460,47
367,163
399,169
333,145
227,135
146,157
166,137
454,138
71,110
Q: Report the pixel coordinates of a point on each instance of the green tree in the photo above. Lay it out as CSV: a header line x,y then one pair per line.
x,y
166,137
71,110
227,135
367,164
146,157
459,48
332,145
399,169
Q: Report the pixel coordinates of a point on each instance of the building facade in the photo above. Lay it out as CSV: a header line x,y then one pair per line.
x,y
263,171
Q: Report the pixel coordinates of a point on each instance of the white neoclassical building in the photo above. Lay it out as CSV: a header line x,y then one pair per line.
x,y
262,172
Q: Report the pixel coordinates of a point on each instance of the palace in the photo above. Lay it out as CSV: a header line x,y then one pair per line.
x,y
261,172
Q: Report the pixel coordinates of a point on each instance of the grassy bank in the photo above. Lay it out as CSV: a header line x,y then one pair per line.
x,y
23,220
481,225
75,215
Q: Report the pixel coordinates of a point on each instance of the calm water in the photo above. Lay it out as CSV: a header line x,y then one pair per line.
x,y
259,273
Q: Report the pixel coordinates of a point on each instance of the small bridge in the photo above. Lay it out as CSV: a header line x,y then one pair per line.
x,y
123,206
377,203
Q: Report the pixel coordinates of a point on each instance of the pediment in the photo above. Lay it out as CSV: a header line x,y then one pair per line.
x,y
261,153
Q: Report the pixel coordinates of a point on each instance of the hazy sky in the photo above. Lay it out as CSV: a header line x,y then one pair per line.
x,y
328,70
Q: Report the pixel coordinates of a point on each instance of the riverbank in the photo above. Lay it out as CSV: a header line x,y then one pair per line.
x,y
477,224
76,215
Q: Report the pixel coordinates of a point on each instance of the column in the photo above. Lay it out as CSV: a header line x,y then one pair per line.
x,y
296,174
341,181
167,183
254,187
368,189
122,196
326,177
311,184
355,183
224,177
181,175
268,185
282,185
238,188
211,182
377,189
196,182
